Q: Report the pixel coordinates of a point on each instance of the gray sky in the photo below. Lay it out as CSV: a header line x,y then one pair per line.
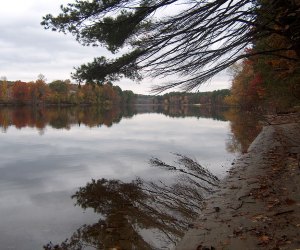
x,y
26,49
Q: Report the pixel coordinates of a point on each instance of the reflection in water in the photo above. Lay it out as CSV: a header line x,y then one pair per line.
x,y
215,113
60,117
131,214
40,173
91,116
141,214
245,126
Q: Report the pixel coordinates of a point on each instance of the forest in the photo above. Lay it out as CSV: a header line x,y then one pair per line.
x,y
61,92
266,83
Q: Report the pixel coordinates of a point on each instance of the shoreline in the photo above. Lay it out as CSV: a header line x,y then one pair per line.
x,y
258,204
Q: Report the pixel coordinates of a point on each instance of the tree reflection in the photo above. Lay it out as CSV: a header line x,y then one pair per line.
x,y
245,126
205,111
130,211
59,117
4,119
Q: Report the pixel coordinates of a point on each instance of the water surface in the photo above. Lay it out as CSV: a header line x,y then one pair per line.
x,y
50,155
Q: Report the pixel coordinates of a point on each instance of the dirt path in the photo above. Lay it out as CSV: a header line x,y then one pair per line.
x,y
258,204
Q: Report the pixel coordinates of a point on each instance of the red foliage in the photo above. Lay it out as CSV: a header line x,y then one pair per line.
x,y
256,86
21,92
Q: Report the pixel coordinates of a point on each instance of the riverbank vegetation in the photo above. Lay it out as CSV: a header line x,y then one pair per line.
x,y
263,82
61,92
270,80
214,98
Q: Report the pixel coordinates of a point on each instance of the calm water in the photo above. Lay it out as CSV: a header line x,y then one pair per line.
x,y
50,156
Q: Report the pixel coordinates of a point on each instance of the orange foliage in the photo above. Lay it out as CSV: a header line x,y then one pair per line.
x,y
247,86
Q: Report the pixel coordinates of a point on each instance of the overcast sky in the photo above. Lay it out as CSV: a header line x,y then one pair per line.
x,y
26,49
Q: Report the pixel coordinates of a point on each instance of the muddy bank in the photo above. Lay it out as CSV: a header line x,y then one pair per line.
x,y
258,204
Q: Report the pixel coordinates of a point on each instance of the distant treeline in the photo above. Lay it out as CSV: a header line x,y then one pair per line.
x,y
61,92
214,98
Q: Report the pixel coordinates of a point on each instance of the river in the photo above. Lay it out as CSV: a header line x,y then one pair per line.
x,y
128,178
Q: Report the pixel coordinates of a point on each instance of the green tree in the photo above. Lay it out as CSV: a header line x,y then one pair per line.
x,y
3,89
197,43
59,86
128,97
59,90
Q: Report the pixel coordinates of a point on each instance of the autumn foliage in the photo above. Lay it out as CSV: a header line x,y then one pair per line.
x,y
247,86
61,93
271,79
21,92
266,82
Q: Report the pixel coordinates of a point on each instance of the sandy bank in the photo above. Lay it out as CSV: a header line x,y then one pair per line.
x,y
258,204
